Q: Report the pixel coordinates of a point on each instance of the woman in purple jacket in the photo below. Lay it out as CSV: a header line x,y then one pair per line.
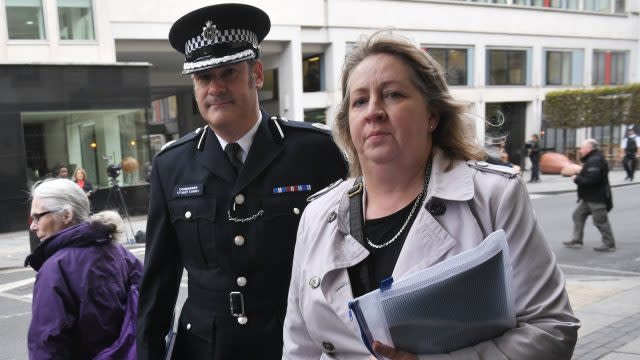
x,y
86,291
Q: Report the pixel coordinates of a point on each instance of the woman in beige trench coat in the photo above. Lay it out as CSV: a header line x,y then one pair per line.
x,y
427,197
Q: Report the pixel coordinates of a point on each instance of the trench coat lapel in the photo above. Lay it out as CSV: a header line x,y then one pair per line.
x,y
264,150
213,157
427,241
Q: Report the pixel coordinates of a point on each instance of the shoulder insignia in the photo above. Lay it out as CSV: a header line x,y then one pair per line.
x,y
315,127
167,145
324,191
189,137
484,166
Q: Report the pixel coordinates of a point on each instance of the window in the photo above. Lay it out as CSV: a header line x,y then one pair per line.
x,y
507,67
563,67
315,115
75,19
609,67
620,6
269,89
598,5
558,4
454,62
558,68
88,139
25,19
312,73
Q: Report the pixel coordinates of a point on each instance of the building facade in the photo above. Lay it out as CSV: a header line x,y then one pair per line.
x,y
88,82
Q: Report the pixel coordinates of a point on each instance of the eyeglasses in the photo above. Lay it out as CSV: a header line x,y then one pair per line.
x,y
36,217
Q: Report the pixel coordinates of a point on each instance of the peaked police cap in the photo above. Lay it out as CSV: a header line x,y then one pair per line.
x,y
219,35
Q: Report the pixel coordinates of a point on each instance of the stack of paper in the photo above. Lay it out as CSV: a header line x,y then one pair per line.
x,y
456,303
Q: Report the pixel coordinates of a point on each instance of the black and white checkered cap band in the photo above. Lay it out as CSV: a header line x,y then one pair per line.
x,y
191,67
227,35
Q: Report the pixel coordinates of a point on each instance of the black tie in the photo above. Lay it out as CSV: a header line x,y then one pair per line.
x,y
233,154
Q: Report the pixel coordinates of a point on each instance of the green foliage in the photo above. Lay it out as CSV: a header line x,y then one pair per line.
x,y
596,107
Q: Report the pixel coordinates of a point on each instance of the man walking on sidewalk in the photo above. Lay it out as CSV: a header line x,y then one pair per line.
x,y
630,147
594,197
534,155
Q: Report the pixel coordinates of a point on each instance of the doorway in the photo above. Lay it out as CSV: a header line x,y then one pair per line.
x,y
506,122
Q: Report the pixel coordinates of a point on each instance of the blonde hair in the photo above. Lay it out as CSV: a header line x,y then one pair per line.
x,y
451,135
75,174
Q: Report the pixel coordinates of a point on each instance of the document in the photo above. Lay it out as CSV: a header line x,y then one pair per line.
x,y
456,303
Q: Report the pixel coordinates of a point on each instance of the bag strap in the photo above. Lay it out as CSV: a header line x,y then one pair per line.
x,y
356,223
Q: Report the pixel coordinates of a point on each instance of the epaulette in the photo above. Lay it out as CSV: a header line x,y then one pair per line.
x,y
484,166
183,140
316,127
324,191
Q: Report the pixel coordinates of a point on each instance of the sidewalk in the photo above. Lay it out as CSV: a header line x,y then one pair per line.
x,y
608,307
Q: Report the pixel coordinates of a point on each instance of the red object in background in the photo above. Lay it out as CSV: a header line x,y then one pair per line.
x,y
607,68
553,163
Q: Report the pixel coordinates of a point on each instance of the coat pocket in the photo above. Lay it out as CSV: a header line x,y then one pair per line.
x,y
194,222
196,334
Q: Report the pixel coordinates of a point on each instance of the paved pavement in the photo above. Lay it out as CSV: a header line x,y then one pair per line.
x,y
608,307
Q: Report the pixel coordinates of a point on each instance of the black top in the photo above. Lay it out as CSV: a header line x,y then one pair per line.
x,y
381,262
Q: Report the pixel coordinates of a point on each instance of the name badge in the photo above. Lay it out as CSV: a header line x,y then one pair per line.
x,y
188,190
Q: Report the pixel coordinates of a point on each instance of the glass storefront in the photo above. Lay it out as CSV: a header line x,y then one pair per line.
x,y
91,140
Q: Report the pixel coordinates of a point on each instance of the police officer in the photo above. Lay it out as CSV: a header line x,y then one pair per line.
x,y
226,200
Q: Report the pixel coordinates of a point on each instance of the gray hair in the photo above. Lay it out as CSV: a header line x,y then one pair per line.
x,y
593,143
451,135
62,196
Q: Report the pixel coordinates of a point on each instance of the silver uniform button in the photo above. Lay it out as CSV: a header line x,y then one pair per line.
x,y
239,240
197,131
242,320
242,281
296,211
314,282
187,214
332,216
239,199
188,326
482,163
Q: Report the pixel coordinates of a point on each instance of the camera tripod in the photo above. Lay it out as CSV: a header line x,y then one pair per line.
x,y
123,206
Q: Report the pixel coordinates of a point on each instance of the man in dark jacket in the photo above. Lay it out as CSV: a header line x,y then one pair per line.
x,y
534,155
630,146
226,200
594,197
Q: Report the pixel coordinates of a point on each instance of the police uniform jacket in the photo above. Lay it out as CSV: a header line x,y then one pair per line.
x,y
593,179
462,206
236,269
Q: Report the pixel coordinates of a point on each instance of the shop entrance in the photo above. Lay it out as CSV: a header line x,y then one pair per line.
x,y
506,123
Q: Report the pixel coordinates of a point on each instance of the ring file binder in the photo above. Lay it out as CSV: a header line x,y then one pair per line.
x,y
456,303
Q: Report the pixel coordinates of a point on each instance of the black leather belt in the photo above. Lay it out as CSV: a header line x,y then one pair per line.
x,y
234,304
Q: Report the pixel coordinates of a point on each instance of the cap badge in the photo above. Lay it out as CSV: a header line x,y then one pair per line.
x,y
210,31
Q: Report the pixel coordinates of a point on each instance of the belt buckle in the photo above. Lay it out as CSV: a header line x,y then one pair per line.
x,y
236,299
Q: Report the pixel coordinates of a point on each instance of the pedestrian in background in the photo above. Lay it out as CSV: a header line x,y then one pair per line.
x,y
534,155
63,172
594,197
86,290
630,147
226,200
80,178
421,192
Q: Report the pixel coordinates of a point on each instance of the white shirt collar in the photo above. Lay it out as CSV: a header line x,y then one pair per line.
x,y
244,142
